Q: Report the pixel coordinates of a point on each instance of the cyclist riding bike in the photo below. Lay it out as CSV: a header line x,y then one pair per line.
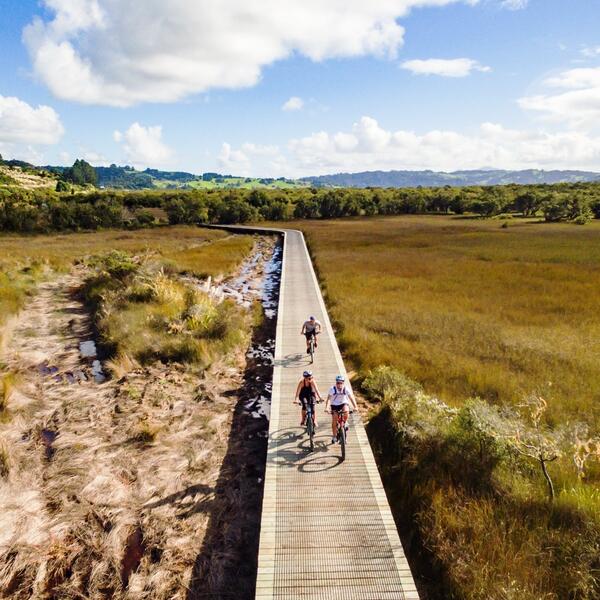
x,y
307,391
340,399
311,328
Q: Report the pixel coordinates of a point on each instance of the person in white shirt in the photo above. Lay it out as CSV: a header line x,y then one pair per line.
x,y
340,399
310,328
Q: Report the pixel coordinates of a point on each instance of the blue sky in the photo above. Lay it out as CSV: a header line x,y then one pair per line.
x,y
301,88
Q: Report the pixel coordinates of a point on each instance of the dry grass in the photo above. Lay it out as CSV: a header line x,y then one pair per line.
x,y
144,313
479,508
27,180
108,491
61,250
468,308
7,384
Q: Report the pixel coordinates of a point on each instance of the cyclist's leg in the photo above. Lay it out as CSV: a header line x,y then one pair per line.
x,y
333,422
314,412
307,336
346,415
303,403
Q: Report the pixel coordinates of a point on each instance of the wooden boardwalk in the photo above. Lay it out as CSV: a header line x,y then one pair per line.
x,y
327,532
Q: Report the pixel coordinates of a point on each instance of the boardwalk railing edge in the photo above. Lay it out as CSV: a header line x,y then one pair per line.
x,y
266,554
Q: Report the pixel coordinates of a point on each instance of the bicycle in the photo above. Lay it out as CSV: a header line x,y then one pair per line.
x,y
309,422
312,340
342,433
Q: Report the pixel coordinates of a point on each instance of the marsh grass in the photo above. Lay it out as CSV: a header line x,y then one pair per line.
x,y
4,461
7,385
146,314
468,308
477,508
121,505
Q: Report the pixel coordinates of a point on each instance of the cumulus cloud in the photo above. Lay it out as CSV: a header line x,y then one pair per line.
x,y
455,67
248,158
143,146
120,53
235,161
577,102
369,146
294,103
21,123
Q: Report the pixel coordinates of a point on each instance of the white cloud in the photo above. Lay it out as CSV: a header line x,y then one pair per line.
x,y
143,146
369,146
21,123
120,53
232,160
95,158
591,51
455,67
578,103
259,149
294,103
514,4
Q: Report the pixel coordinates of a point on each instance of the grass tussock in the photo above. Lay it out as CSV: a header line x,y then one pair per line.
x,y
468,308
462,490
16,283
7,385
4,461
144,314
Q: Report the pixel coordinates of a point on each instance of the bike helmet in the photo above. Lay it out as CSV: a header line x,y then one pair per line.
x,y
311,318
307,374
340,378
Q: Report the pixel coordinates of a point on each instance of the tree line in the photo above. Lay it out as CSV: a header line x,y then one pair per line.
x,y
45,210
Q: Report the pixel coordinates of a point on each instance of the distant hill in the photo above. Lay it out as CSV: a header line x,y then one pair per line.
x,y
130,179
16,172
455,178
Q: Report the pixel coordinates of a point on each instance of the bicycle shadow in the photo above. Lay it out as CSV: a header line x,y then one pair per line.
x,y
290,448
293,360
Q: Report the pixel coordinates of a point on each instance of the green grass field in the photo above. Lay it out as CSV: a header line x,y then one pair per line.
x,y
469,308
249,183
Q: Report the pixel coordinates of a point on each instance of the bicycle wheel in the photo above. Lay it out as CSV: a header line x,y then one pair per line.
x,y
342,437
312,350
310,429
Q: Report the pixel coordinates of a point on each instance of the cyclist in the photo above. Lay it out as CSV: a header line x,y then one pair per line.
x,y
339,397
306,391
310,328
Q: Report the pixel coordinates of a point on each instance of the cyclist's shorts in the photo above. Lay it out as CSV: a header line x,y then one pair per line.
x,y
339,407
309,334
307,401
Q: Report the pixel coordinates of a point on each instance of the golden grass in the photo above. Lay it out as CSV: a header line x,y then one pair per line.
x,y
26,260
7,384
148,315
468,308
480,508
218,258
61,250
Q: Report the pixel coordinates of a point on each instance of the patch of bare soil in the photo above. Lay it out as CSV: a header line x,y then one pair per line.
x,y
145,487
